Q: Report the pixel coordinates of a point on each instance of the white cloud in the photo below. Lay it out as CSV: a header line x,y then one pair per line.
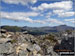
x,y
65,5
62,9
67,14
70,20
54,21
40,21
26,17
62,13
58,11
19,15
48,15
49,20
23,2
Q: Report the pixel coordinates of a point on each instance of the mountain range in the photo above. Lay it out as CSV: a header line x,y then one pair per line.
x,y
39,30
47,29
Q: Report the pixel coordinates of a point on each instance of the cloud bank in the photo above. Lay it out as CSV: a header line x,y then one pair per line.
x,y
26,17
58,9
23,2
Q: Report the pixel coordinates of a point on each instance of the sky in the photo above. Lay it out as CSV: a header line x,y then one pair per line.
x,y
37,13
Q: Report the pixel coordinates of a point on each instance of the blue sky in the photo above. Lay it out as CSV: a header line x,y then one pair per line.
x,y
37,13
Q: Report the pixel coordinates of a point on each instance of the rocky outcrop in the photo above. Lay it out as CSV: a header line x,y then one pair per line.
x,y
20,44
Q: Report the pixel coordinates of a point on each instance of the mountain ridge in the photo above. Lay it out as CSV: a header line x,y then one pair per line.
x,y
39,30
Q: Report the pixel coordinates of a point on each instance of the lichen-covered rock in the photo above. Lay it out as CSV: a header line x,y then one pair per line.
x,y
6,48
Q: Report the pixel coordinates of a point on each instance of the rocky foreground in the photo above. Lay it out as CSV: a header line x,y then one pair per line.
x,y
20,44
23,44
